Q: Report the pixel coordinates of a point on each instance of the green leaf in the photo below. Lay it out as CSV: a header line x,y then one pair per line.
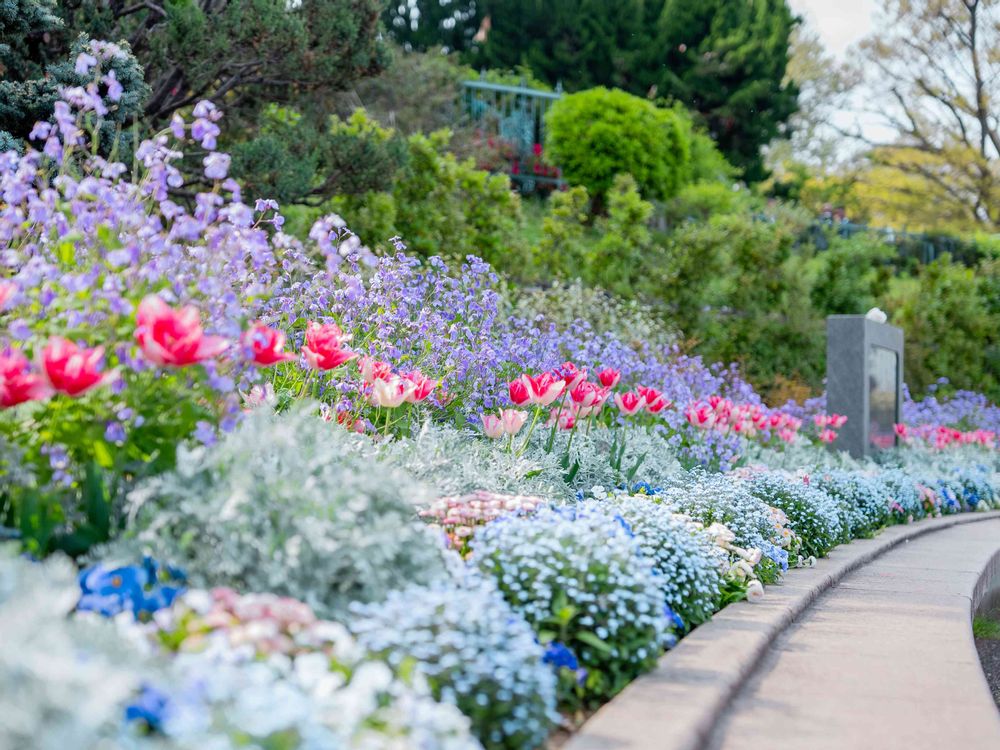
x,y
593,641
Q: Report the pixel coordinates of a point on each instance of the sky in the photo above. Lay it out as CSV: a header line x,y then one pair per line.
x,y
840,23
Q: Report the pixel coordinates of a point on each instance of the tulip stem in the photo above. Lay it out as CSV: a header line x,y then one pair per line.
x,y
531,428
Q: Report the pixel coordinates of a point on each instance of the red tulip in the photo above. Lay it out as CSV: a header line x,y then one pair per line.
x,y
374,369
609,377
655,402
71,370
324,346
518,392
267,345
173,337
17,383
629,403
543,389
586,394
570,374
422,386
901,431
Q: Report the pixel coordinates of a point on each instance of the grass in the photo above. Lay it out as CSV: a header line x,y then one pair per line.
x,y
987,628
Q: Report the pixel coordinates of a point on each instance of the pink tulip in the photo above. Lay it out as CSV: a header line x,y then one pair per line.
x,y
266,344
324,346
422,386
629,403
492,426
585,394
821,420
837,421
655,402
543,389
786,434
570,375
901,431
71,370
519,393
827,436
173,337
391,393
609,377
17,384
373,369
7,289
513,420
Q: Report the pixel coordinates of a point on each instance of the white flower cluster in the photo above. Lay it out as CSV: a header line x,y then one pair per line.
x,y
63,683
864,503
578,573
713,498
290,505
688,560
475,651
815,516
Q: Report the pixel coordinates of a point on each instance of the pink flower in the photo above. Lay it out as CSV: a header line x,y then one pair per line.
x,y
492,426
266,343
324,346
422,386
901,431
609,377
71,370
513,420
786,434
7,289
585,394
391,393
629,403
827,436
373,369
821,420
173,337
543,389
17,383
655,402
570,375
837,421
519,393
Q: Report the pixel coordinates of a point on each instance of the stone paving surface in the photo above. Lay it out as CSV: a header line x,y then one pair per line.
x,y
885,659
891,664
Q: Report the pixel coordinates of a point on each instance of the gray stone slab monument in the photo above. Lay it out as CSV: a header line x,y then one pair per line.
x,y
864,381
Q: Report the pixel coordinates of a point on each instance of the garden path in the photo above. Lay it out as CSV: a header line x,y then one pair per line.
x,y
871,649
885,659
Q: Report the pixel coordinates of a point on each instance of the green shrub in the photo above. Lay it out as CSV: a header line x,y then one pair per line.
x,y
597,134
850,275
621,260
562,249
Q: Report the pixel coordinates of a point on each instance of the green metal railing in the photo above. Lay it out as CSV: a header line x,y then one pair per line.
x,y
916,247
515,115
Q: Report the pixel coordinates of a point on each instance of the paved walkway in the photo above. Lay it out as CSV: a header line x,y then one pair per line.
x,y
885,659
870,649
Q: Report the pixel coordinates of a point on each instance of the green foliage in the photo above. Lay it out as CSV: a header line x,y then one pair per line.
x,y
851,275
702,200
598,134
561,251
622,255
426,24
442,205
952,323
986,627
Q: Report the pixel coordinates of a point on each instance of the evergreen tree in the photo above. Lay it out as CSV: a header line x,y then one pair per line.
x,y
36,62
425,24
726,60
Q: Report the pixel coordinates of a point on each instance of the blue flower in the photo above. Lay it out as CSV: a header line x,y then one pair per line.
x,y
150,707
560,656
140,589
673,617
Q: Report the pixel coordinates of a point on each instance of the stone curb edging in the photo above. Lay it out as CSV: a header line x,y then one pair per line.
x,y
676,706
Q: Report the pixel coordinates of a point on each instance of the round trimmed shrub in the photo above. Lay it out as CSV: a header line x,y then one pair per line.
x,y
814,515
864,506
476,653
290,505
578,576
597,134
688,561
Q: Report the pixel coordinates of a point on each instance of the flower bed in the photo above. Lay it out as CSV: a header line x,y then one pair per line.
x,y
334,500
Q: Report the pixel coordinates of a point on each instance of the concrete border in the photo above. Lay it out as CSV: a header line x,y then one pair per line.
x,y
676,706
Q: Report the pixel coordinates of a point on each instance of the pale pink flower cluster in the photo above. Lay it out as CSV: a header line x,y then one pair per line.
x,y
458,515
390,390
940,436
749,420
